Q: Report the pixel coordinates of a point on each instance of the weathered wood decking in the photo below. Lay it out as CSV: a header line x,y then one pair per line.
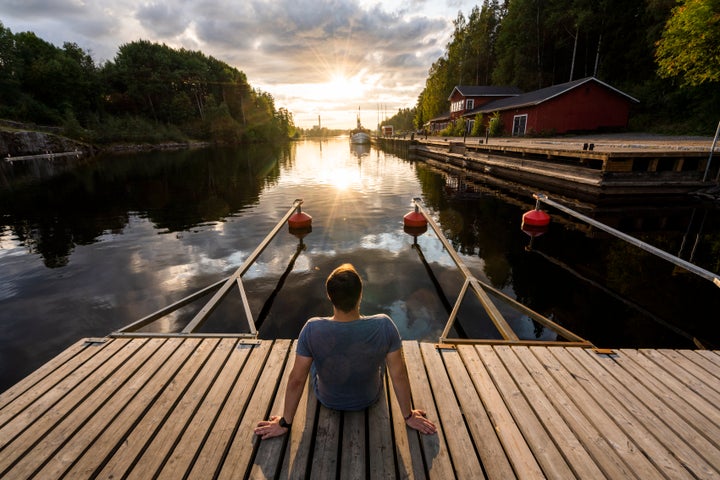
x,y
185,408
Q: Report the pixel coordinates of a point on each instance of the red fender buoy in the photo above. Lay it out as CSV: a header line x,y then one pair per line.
x,y
414,219
300,220
535,218
300,224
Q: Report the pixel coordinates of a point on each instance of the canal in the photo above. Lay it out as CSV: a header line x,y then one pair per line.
x,y
93,249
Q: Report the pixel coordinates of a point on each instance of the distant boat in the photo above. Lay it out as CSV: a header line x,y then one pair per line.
x,y
359,135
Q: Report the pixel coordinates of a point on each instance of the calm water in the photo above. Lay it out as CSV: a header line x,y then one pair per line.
x,y
92,250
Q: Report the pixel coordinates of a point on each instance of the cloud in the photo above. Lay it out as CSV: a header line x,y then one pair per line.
x,y
384,50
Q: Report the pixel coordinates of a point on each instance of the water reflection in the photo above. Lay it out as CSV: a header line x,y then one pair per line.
x,y
176,191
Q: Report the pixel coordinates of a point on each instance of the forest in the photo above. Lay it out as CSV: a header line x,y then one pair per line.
x,y
148,93
666,53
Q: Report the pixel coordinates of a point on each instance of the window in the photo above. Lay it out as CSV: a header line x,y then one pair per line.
x,y
519,124
469,104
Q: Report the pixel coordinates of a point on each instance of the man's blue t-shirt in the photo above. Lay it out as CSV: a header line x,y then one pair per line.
x,y
348,358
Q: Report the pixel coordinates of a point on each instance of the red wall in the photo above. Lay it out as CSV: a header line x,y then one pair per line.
x,y
587,107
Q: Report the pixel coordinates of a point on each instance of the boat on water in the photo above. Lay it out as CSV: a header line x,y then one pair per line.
x,y
359,135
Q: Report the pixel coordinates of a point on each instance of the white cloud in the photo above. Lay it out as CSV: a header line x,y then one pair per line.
x,y
289,48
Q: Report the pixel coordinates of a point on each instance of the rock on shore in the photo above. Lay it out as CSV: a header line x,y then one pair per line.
x,y
16,143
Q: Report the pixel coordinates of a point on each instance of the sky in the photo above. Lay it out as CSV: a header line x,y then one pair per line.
x,y
326,59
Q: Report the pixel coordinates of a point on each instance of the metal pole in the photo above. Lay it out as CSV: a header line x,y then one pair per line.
x,y
202,315
712,149
492,310
634,241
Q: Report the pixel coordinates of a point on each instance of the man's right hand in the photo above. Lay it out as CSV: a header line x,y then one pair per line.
x,y
418,421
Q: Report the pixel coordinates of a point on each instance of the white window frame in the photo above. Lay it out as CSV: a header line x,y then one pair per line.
x,y
516,123
469,104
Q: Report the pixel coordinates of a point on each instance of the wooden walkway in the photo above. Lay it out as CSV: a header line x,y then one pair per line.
x,y
178,408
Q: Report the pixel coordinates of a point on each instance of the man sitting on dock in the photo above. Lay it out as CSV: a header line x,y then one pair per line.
x,y
345,355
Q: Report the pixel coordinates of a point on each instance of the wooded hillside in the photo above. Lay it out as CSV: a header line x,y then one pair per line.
x,y
664,52
149,92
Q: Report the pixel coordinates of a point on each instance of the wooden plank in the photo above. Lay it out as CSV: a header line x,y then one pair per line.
x,y
578,459
712,356
380,444
352,461
621,442
179,417
269,456
88,422
33,424
709,366
296,462
142,392
546,453
628,422
325,456
603,453
677,435
238,457
43,378
516,448
153,419
52,388
695,376
407,441
686,403
460,445
200,425
435,454
492,455
209,459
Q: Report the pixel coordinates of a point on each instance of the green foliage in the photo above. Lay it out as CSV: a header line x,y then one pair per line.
x,y
495,125
455,129
690,45
533,44
478,129
148,93
403,120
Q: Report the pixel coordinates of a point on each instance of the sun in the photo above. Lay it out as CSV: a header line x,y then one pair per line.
x,y
337,87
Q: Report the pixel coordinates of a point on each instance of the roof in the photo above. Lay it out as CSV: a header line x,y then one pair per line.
x,y
544,94
485,91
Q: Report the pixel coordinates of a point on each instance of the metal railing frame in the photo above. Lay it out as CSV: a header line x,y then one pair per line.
x,y
221,288
481,290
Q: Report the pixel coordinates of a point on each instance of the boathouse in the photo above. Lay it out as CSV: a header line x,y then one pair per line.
x,y
464,98
583,105
469,98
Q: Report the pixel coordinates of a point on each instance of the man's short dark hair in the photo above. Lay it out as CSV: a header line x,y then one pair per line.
x,y
344,287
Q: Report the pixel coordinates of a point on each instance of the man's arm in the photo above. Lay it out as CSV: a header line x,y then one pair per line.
x,y
293,392
398,374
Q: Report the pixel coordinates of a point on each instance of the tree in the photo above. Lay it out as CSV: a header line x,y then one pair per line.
x,y
690,45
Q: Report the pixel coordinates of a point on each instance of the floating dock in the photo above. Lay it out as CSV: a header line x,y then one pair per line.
x,y
185,407
584,173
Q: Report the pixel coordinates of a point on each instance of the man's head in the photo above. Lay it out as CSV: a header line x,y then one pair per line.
x,y
344,287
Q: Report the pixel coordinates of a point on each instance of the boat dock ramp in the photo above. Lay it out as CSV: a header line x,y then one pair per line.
x,y
143,403
185,407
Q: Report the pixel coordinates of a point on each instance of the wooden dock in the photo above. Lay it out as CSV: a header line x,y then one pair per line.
x,y
185,407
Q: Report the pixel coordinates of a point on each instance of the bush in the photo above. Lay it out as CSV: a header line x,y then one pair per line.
x,y
495,126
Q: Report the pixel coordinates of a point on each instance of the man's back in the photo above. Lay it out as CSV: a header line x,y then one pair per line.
x,y
348,358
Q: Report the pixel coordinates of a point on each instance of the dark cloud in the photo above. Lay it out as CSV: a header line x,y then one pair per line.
x,y
162,18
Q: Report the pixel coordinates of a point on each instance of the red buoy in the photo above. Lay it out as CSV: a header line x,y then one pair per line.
x,y
414,219
299,220
535,218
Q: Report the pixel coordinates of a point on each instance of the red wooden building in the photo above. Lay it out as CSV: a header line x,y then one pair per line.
x,y
464,98
587,104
